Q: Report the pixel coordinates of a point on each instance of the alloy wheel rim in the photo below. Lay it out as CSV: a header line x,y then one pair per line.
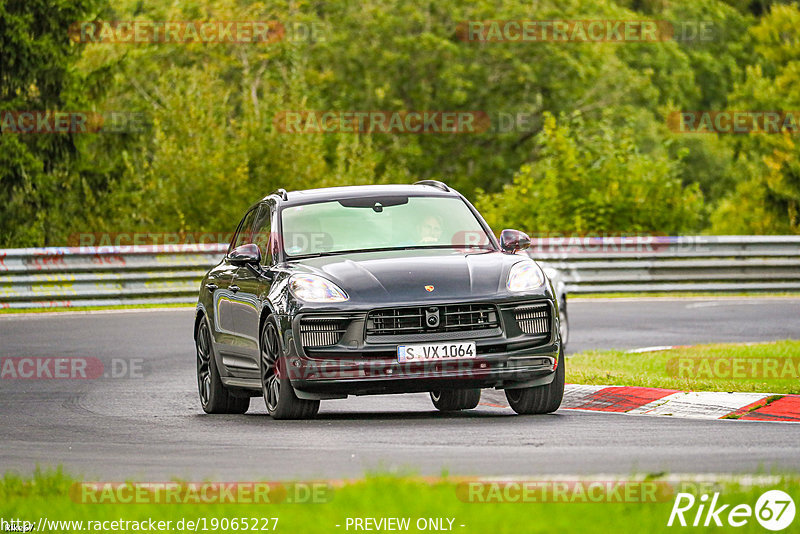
x,y
203,364
270,375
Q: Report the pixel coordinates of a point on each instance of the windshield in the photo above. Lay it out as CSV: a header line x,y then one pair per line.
x,y
381,223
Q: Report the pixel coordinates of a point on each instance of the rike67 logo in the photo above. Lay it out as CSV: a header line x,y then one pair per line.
x,y
774,510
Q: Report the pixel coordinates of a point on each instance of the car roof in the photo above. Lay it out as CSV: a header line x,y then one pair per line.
x,y
357,191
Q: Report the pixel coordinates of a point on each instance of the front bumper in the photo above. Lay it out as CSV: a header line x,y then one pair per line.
x,y
506,358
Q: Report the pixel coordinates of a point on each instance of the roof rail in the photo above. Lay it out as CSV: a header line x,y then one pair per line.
x,y
281,192
434,183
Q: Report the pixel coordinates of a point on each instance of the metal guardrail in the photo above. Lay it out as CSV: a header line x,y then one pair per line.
x,y
103,276
673,264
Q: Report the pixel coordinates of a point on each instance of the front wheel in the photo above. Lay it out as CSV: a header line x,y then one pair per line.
x,y
279,395
539,399
214,396
457,399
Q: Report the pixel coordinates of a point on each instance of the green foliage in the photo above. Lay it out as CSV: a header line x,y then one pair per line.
x,y
495,505
210,147
659,369
394,55
767,199
589,177
39,189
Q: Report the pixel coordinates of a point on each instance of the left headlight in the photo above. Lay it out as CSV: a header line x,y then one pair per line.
x,y
525,276
312,288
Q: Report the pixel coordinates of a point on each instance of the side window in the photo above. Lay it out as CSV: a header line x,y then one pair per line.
x,y
244,232
262,233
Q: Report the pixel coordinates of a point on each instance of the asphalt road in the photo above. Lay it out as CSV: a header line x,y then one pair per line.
x,y
149,426
629,324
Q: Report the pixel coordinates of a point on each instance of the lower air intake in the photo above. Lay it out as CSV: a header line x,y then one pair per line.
x,y
534,319
321,332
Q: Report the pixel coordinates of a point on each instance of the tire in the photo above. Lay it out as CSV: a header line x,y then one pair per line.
x,y
456,399
563,322
279,396
214,396
539,399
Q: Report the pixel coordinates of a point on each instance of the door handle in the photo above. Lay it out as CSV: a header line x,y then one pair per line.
x,y
212,287
234,288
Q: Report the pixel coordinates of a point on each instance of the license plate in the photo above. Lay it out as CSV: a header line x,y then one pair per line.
x,y
435,351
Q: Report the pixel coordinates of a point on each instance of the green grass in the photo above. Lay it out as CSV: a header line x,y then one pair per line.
x,y
686,294
662,369
96,308
48,495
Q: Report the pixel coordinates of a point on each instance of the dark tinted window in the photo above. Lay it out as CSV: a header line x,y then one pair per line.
x,y
244,234
377,223
262,233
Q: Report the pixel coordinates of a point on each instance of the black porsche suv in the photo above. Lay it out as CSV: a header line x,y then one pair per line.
x,y
362,290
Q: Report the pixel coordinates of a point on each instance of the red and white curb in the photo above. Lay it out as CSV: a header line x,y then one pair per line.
x,y
674,403
693,404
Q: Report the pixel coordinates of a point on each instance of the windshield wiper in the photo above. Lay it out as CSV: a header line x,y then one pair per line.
x,y
384,249
459,247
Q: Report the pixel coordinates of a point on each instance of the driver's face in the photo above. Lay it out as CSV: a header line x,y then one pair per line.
x,y
430,229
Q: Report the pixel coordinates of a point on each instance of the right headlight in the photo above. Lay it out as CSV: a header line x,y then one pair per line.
x,y
525,276
313,288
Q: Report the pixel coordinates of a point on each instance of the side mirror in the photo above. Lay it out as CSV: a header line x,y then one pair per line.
x,y
514,240
245,254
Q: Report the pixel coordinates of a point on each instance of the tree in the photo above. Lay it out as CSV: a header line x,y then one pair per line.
x,y
39,192
767,200
590,178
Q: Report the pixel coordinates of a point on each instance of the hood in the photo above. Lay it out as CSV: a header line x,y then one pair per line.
x,y
402,276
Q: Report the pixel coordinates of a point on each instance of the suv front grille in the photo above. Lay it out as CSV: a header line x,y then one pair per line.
x,y
321,332
451,318
533,319
466,317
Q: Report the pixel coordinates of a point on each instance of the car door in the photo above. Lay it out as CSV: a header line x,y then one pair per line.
x,y
221,283
254,285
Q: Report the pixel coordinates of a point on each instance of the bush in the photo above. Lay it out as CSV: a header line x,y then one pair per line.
x,y
592,178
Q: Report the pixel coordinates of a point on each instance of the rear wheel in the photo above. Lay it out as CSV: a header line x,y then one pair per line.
x,y
279,396
539,399
214,396
456,399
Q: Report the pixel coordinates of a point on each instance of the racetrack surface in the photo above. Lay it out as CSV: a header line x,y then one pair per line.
x,y
633,323
152,428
